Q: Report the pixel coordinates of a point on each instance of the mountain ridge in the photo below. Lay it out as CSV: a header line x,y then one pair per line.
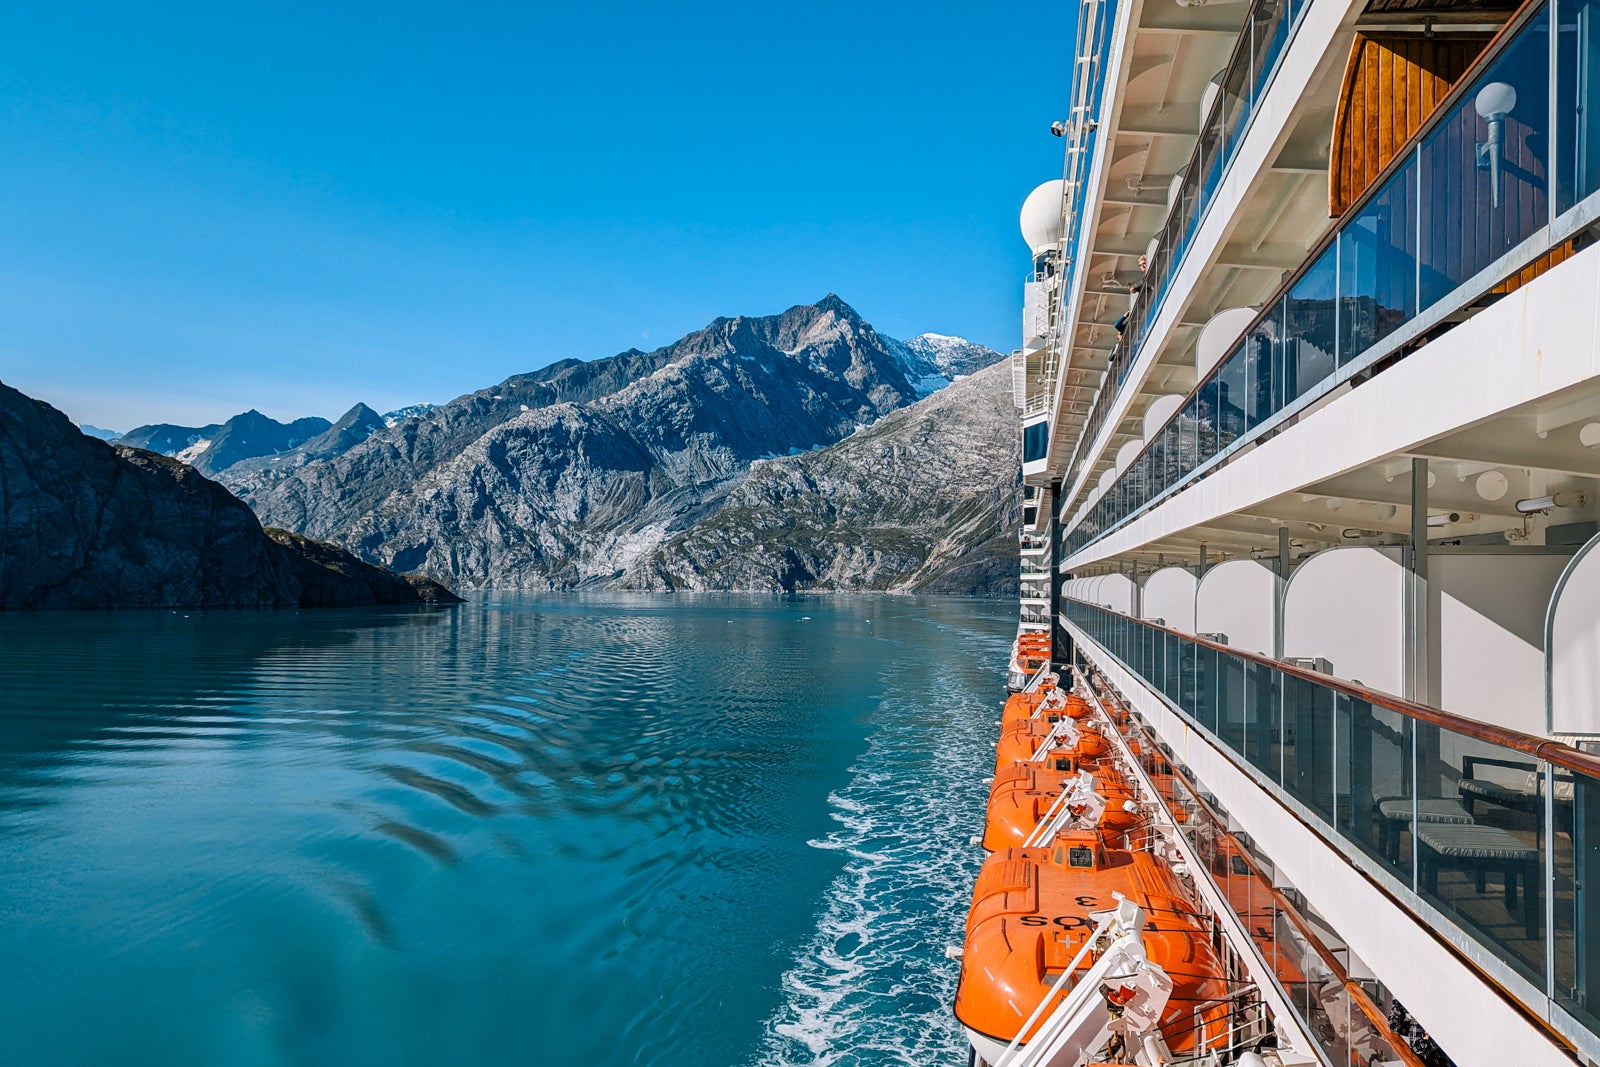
x,y
564,477
582,473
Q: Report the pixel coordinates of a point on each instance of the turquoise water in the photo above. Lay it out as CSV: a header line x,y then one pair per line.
x,y
607,830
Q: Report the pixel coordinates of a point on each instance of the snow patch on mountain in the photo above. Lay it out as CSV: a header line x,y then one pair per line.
x,y
933,360
197,445
410,411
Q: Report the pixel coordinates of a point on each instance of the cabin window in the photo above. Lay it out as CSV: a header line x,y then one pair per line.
x,y
1035,441
1080,856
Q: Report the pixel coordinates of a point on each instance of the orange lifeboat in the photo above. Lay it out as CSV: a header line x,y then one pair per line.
x,y
1032,651
1031,913
1019,740
1020,706
1024,793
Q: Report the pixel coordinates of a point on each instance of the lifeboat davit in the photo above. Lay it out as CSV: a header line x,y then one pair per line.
x,y
1031,913
1024,793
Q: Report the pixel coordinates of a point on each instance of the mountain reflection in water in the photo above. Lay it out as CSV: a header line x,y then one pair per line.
x,y
524,830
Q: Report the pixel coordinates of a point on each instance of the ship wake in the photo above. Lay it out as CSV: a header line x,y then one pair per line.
x,y
872,985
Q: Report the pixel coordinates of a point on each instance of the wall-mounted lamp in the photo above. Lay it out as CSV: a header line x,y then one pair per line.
x,y
1493,103
1565,499
1076,127
1444,518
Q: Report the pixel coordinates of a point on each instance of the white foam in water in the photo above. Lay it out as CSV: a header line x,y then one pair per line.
x,y
873,986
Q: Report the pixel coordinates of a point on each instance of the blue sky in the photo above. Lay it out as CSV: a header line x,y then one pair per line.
x,y
221,207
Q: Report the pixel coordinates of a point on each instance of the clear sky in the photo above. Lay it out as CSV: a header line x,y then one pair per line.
x,y
222,207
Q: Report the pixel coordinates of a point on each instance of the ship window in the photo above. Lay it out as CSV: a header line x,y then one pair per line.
x,y
1080,856
1238,865
1035,441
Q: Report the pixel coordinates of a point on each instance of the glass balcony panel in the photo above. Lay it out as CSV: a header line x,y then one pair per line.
x,y
1378,266
1213,143
1375,804
1262,343
1157,455
1234,103
1189,683
1173,682
1484,171
1575,839
1231,702
1310,328
1578,135
1206,424
1308,744
1231,388
1263,715
1269,28
1486,873
1204,708
1189,435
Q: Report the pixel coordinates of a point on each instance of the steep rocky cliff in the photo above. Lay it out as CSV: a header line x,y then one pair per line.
x,y
925,500
84,524
574,474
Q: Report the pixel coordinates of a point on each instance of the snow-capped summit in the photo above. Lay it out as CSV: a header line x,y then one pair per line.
x,y
955,357
934,360
410,411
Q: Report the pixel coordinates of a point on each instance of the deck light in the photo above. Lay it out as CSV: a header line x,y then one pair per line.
x,y
1538,504
1493,103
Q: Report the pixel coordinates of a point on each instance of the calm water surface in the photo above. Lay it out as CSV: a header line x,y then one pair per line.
x,y
608,830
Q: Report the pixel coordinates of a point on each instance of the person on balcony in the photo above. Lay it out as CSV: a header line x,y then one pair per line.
x,y
1134,290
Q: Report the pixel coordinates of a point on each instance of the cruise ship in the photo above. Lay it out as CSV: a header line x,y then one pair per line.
x,y
1309,398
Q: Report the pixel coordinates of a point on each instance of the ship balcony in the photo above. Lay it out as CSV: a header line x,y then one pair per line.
x,y
1452,857
1036,617
1250,207
1464,276
1220,190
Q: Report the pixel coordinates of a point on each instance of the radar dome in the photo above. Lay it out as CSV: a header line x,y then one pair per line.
x,y
1041,217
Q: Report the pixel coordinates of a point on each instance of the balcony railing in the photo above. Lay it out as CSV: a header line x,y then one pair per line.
x,y
1440,806
1468,204
1243,83
1318,988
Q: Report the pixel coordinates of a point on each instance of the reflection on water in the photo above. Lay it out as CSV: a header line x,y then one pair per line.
x,y
511,832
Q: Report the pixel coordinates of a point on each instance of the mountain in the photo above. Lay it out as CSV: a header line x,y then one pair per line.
x,y
85,524
214,448
353,427
170,440
925,500
98,431
573,474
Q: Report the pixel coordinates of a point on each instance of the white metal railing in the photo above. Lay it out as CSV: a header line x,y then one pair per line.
x,y
1088,79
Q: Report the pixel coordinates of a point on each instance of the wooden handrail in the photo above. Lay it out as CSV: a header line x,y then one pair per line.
x,y
1543,748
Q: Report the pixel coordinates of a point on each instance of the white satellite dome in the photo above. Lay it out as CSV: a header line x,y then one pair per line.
x,y
1041,217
